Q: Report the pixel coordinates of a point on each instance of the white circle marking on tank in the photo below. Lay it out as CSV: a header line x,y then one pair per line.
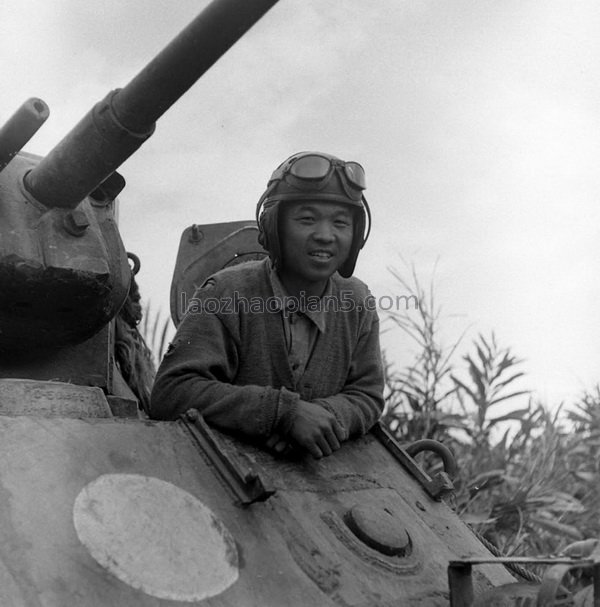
x,y
155,537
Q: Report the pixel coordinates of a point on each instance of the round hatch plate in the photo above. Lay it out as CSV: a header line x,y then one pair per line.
x,y
379,529
155,537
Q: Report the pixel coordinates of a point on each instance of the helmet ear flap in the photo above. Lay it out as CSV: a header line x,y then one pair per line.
x,y
358,241
268,233
360,234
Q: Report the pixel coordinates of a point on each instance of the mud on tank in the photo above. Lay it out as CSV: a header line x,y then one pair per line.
x,y
99,505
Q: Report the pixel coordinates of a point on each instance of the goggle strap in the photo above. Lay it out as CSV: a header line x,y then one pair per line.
x,y
344,180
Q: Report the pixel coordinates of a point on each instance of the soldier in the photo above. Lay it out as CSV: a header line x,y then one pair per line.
x,y
287,352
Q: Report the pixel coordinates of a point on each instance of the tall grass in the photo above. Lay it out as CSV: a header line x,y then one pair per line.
x,y
417,394
157,330
529,477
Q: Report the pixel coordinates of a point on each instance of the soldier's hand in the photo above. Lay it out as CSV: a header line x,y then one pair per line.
x,y
316,430
277,444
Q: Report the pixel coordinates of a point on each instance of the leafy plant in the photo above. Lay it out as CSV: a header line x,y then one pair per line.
x,y
529,479
522,501
491,372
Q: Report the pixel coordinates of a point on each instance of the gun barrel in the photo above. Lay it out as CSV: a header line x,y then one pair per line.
x,y
185,60
20,128
118,125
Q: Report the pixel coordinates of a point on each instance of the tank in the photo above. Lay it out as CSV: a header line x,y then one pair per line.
x,y
101,506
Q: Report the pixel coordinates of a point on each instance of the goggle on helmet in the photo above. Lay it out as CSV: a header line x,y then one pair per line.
x,y
314,176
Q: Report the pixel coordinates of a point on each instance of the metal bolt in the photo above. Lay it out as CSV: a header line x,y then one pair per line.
x,y
196,235
76,222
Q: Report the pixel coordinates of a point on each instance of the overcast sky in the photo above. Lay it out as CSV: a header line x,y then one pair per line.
x,y
477,122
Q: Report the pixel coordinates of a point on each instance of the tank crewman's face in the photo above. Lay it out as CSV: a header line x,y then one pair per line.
x,y
315,238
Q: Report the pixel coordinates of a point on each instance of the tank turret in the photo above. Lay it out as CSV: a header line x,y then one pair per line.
x,y
64,272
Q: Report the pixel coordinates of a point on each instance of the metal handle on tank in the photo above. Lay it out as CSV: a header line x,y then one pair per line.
x,y
440,449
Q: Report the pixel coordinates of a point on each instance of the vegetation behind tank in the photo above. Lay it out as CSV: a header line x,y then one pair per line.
x,y
528,472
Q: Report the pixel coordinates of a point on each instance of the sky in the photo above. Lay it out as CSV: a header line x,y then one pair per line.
x,y
477,122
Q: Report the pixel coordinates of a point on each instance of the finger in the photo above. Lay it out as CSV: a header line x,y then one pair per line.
x,y
272,441
314,450
331,439
281,446
340,433
324,446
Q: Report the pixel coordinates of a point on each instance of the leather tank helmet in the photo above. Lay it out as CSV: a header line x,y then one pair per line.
x,y
314,176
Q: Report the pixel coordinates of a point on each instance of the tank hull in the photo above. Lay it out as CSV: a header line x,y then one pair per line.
x,y
110,511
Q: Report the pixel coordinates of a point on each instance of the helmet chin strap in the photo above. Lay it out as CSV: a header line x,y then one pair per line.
x,y
368,215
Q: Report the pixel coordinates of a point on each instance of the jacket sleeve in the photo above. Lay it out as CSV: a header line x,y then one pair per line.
x,y
360,403
198,371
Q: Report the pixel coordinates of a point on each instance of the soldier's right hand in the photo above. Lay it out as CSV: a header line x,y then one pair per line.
x,y
316,430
